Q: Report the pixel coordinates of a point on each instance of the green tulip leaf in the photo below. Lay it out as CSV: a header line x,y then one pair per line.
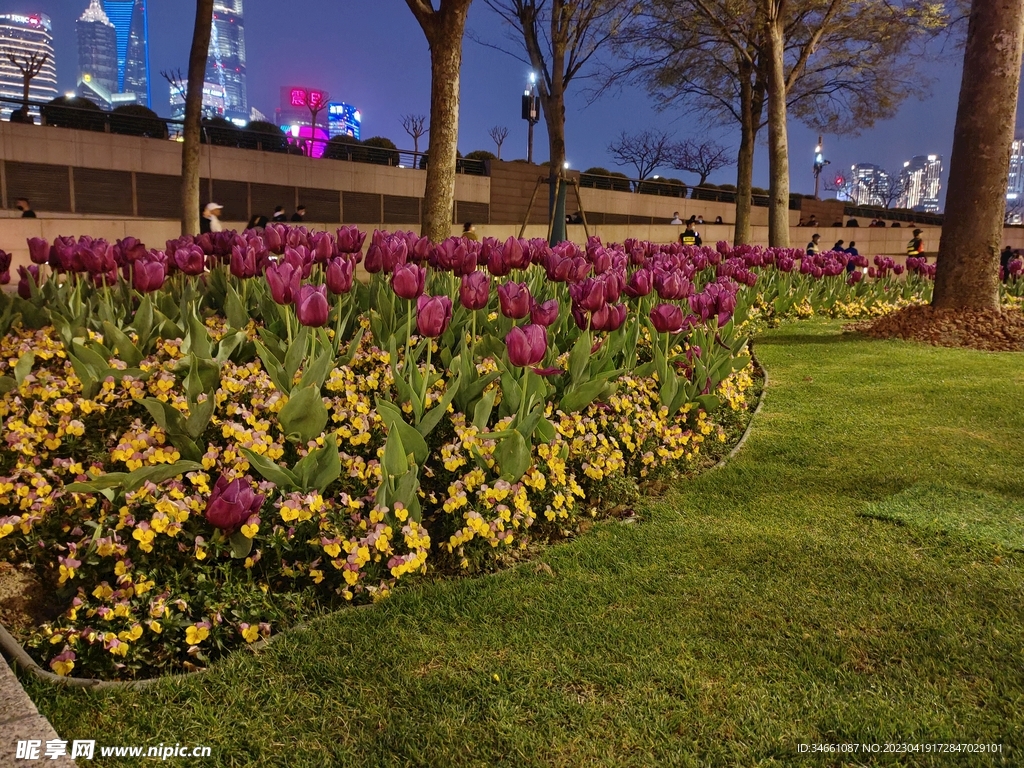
x,y
513,457
275,473
412,440
241,545
24,366
305,414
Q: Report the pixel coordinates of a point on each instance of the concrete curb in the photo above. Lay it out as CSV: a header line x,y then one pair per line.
x,y
21,721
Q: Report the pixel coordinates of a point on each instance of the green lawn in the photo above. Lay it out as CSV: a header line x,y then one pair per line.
x,y
755,608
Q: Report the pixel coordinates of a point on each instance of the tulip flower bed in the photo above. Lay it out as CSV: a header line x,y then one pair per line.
x,y
204,444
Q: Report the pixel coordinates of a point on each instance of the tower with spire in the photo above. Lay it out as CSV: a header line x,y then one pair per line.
x,y
97,55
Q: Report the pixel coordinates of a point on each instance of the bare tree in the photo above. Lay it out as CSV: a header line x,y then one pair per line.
x,y
498,135
316,102
844,65
29,65
890,189
190,148
416,127
968,264
444,29
645,151
176,80
701,157
559,38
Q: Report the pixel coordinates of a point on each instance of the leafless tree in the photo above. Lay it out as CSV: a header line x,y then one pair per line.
x,y
29,66
498,135
416,127
701,157
645,151
176,80
444,29
844,65
558,39
190,149
889,190
316,102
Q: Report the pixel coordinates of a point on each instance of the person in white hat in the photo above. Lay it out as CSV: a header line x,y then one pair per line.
x,y
210,220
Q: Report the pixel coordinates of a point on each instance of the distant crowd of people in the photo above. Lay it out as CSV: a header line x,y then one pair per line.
x,y
210,221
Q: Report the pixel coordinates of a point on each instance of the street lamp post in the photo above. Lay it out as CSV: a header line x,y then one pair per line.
x,y
531,113
819,165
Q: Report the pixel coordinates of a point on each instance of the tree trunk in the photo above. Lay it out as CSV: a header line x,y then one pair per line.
x,y
26,84
968,264
778,139
445,38
745,158
190,148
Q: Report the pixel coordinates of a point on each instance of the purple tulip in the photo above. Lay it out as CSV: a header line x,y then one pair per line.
x,y
475,290
61,253
667,318
273,237
350,240
128,251
544,314
408,280
284,281
640,284
497,264
672,286
602,261
300,258
38,250
148,276
589,294
5,261
191,260
433,313
339,275
243,262
311,306
527,344
26,275
610,317
514,300
395,252
516,256
231,504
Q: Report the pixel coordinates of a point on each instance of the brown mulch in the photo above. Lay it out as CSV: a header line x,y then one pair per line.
x,y
25,603
991,330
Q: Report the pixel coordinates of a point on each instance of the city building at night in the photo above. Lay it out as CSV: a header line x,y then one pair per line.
x,y
23,36
922,181
343,119
868,184
97,55
225,65
131,24
215,101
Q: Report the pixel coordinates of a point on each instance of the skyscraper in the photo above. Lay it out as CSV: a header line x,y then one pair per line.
x,y
132,26
869,185
921,178
225,65
97,55
343,118
1015,183
24,36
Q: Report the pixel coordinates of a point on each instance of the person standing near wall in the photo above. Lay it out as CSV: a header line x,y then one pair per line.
x,y
915,247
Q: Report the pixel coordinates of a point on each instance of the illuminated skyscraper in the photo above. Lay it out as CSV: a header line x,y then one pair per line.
x,y
921,178
97,55
869,185
225,65
23,36
130,21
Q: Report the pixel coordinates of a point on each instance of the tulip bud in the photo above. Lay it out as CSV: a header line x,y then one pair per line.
x,y
544,314
408,280
475,290
311,306
284,281
514,300
527,345
38,250
339,275
433,314
667,318
232,503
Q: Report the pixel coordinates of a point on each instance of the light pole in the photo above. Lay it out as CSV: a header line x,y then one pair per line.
x,y
819,164
531,113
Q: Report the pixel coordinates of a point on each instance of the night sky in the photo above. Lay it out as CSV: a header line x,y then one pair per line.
x,y
372,53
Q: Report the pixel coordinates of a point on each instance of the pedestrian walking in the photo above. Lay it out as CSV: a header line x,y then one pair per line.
x,y
814,247
300,214
210,220
26,210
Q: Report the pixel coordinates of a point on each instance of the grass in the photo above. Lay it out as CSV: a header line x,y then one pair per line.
x,y
754,609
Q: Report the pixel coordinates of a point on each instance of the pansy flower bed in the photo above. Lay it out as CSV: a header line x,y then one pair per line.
x,y
205,443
